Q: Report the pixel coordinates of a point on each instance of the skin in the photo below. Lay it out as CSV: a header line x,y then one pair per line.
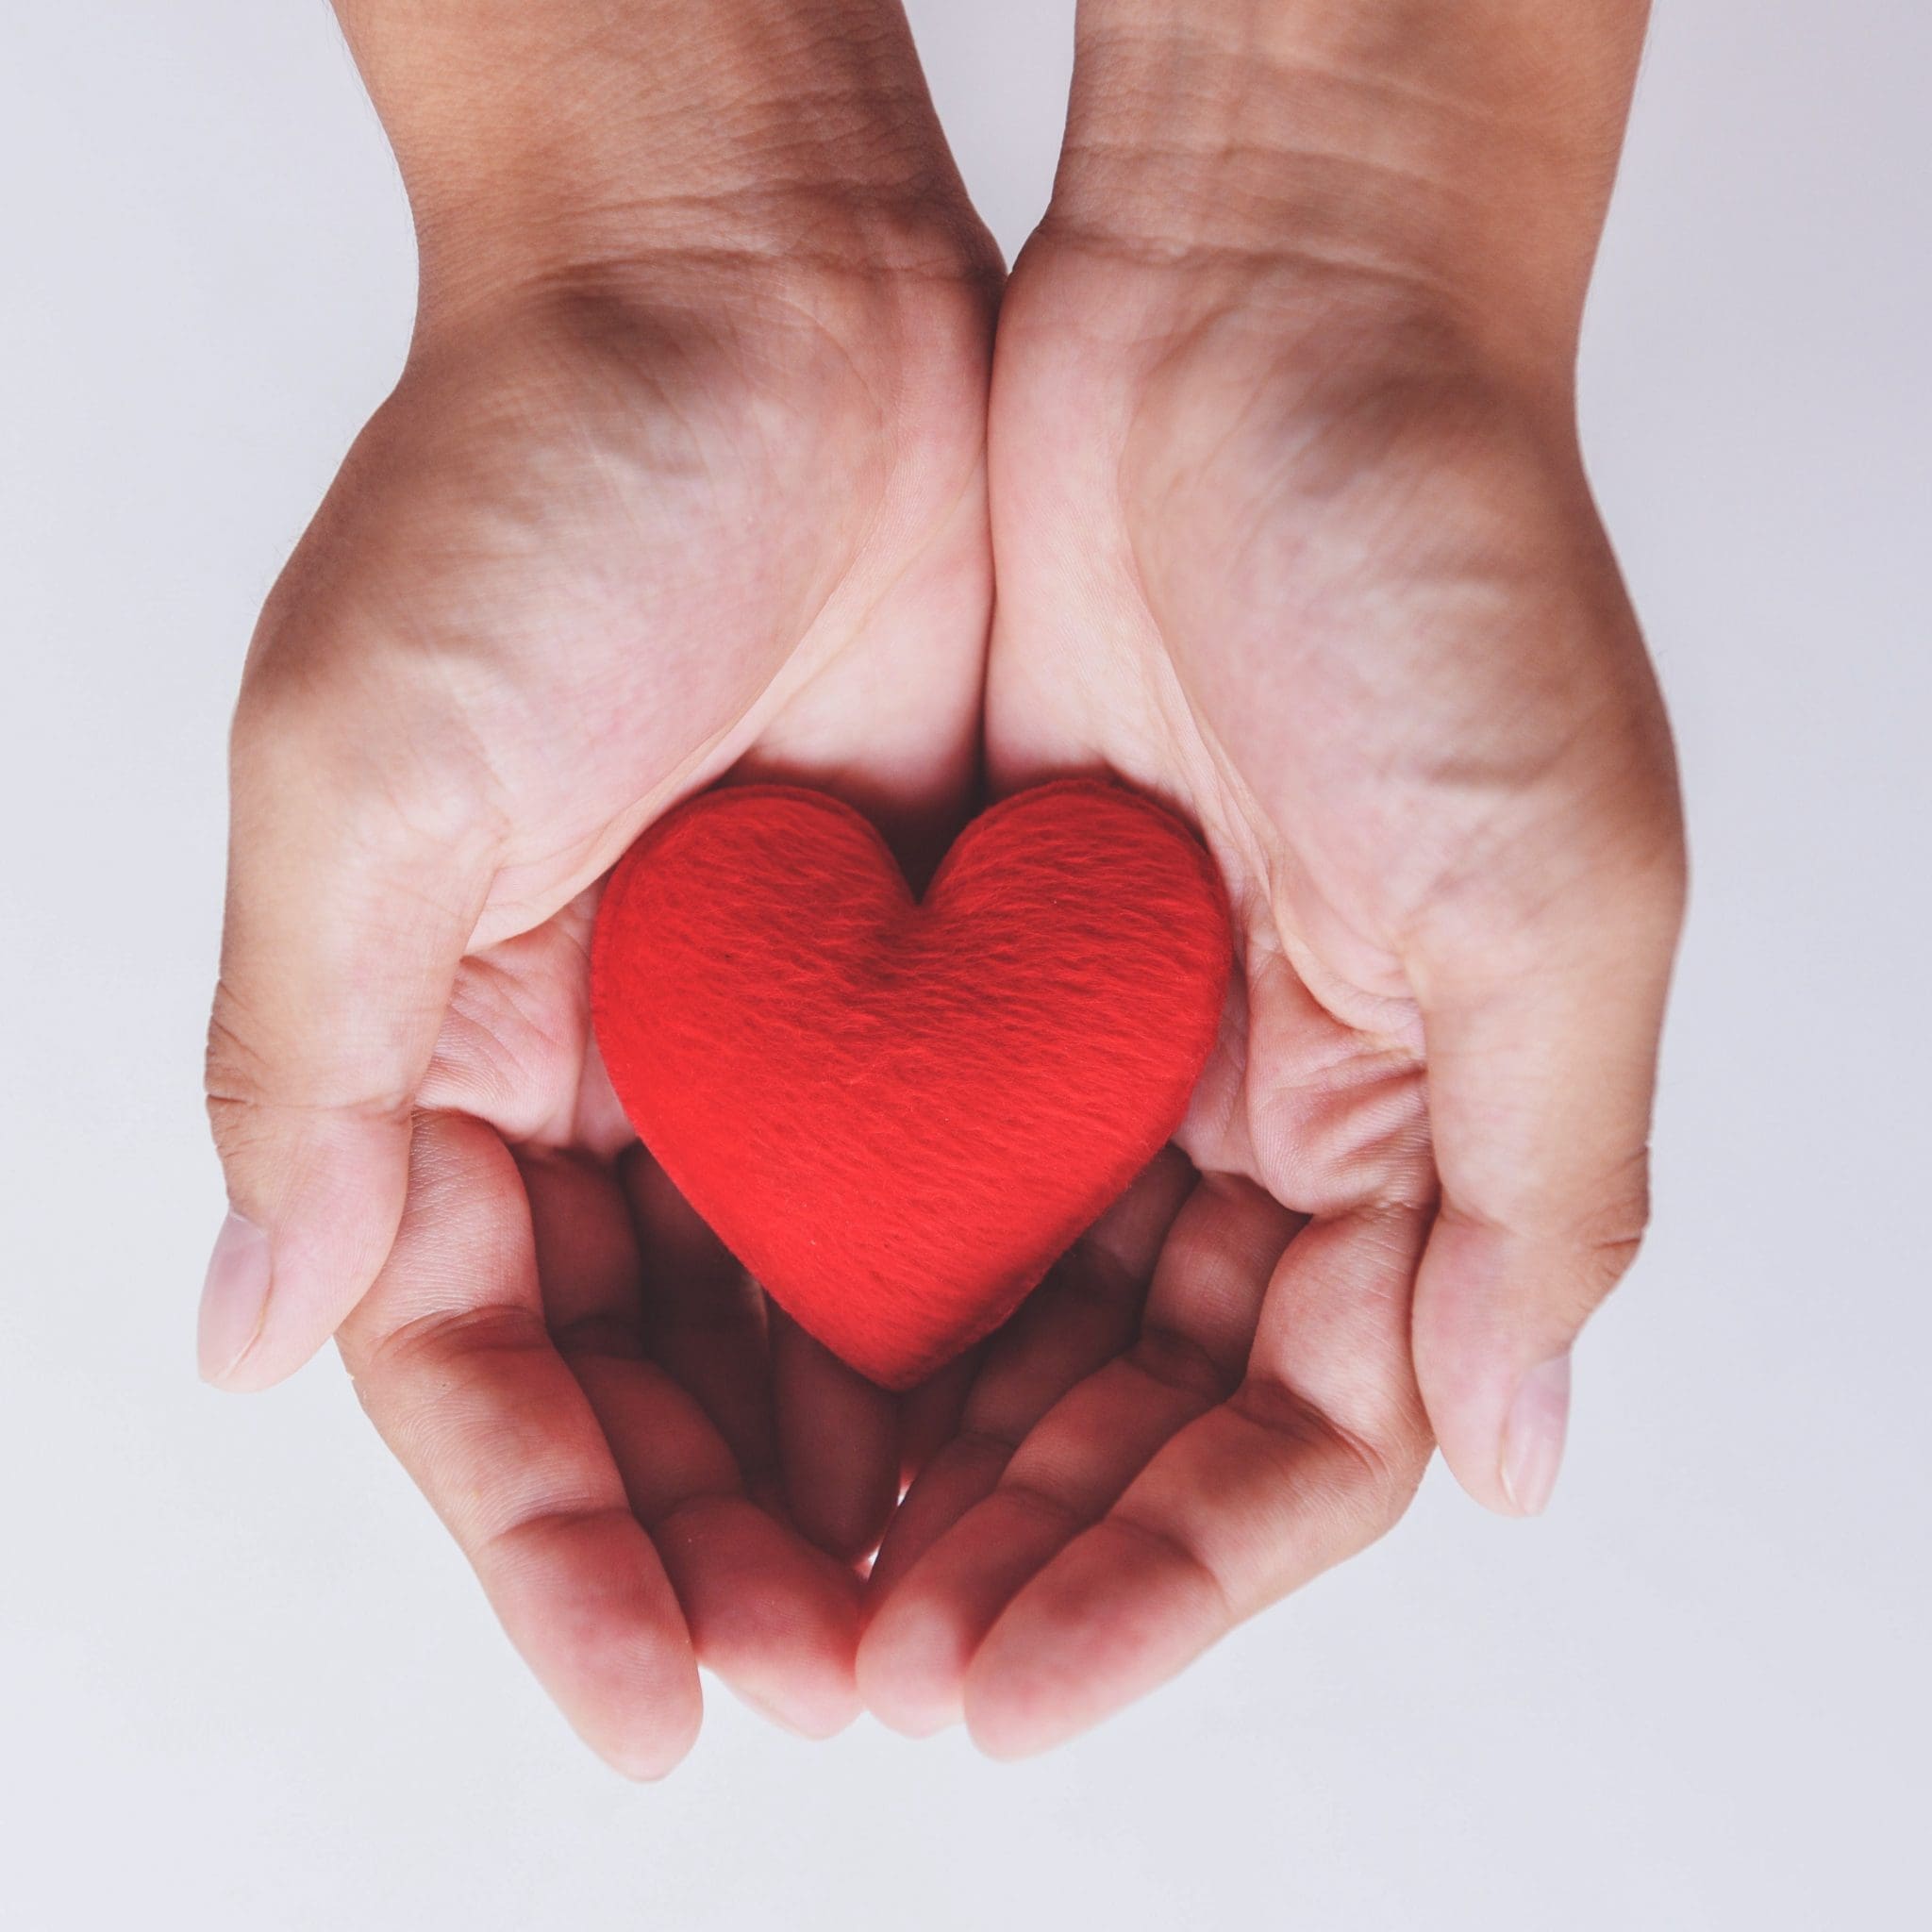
x,y
669,492
692,475
1290,527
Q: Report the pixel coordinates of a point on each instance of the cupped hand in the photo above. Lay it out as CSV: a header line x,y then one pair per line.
x,y
1275,543
613,537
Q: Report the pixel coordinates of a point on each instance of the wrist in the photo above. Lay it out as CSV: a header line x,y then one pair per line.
x,y
1452,164
582,141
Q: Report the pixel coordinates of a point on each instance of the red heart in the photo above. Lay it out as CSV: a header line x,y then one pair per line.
x,y
897,1114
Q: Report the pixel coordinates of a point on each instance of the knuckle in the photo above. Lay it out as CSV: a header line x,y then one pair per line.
x,y
263,1089
1571,1245
1601,1245
1376,1460
236,1124
1602,1265
440,1337
238,1075
1615,1225
1604,1220
233,1066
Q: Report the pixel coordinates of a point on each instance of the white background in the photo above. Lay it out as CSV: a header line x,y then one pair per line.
x,y
245,1680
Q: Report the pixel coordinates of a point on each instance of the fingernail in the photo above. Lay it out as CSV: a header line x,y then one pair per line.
x,y
234,1299
1533,1437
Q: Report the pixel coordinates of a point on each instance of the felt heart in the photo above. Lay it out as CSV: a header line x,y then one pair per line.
x,y
898,1113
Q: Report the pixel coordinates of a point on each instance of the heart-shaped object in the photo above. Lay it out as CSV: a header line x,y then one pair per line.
x,y
898,1113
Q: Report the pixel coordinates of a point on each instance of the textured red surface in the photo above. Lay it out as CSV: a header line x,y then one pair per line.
x,y
897,1114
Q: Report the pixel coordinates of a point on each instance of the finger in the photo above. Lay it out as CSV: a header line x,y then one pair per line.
x,y
349,905
929,1415
1540,1072
838,1444
705,1321
1087,1311
453,1362
590,1269
1246,1503
775,1619
1202,1308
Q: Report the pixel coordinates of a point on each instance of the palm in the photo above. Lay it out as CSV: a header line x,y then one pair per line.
x,y
1240,592
621,561
595,569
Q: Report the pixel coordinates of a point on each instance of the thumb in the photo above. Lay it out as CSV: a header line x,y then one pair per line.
x,y
1541,1066
352,893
